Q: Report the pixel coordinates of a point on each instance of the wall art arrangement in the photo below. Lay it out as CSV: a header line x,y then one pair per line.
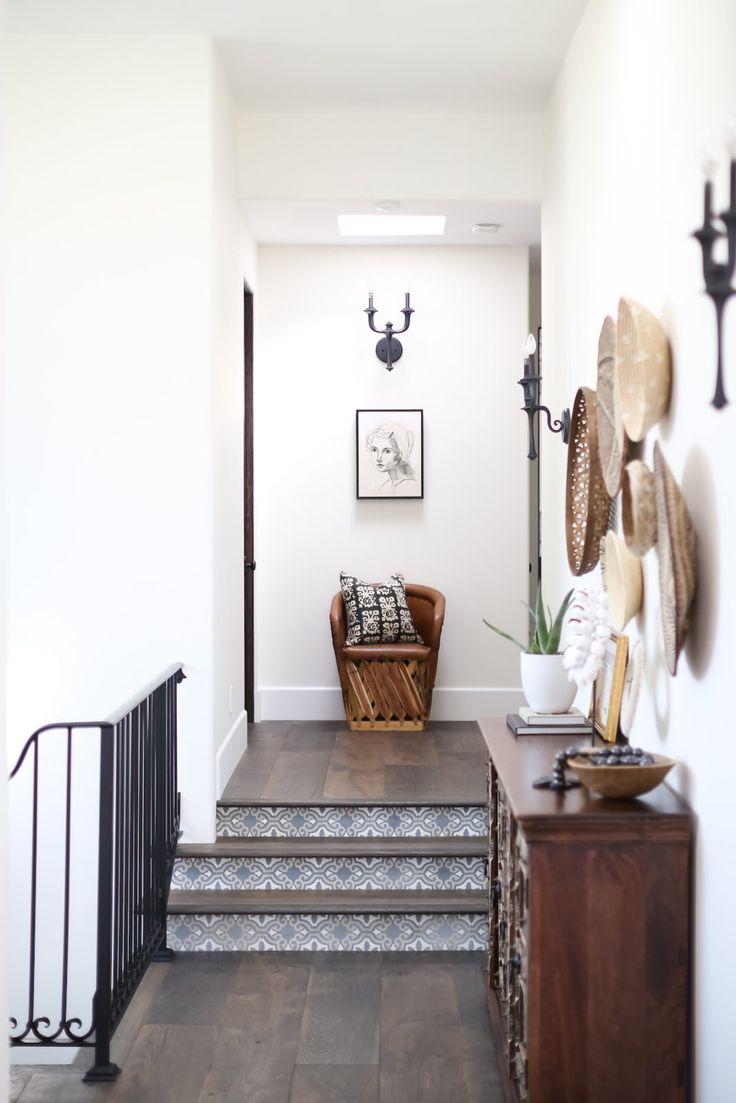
x,y
632,394
389,453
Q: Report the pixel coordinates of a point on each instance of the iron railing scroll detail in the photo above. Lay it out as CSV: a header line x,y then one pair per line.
x,y
139,813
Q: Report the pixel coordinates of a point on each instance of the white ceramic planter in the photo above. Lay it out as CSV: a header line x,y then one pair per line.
x,y
546,685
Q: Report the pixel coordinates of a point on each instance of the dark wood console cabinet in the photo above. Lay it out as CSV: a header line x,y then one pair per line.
x,y
589,934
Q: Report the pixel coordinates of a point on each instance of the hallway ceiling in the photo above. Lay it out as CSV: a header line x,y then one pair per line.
x,y
341,56
314,222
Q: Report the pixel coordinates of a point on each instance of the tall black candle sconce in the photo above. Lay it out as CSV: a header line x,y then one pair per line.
x,y
529,384
389,349
718,274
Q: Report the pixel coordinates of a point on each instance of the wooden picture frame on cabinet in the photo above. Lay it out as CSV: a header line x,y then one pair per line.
x,y
609,688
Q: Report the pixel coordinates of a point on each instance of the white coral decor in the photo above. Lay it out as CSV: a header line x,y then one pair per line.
x,y
588,631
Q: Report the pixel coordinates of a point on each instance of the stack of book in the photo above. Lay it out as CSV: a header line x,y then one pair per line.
x,y
528,722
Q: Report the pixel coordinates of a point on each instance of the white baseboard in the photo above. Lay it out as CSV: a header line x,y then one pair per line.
x,y
300,703
231,751
474,701
325,703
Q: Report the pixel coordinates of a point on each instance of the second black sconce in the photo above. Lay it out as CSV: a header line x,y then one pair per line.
x,y
718,273
389,349
529,383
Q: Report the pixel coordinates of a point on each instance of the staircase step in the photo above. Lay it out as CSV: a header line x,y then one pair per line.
x,y
406,866
431,846
350,821
295,920
293,902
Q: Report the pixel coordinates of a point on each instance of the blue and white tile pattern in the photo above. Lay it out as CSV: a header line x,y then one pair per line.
x,y
352,821
328,932
372,874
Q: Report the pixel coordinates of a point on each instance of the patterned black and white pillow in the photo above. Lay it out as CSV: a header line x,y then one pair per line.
x,y
377,613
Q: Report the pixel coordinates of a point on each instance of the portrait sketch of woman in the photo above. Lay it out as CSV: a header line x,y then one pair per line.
x,y
390,453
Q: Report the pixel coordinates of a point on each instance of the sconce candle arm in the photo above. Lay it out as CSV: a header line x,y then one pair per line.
x,y
388,350
529,384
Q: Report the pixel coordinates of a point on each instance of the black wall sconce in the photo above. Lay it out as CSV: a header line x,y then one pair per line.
x,y
389,349
718,274
529,384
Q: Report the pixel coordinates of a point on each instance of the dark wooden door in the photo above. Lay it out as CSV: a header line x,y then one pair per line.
x,y
249,563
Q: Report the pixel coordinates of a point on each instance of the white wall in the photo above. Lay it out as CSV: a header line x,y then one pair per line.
x,y
642,89
110,556
315,365
417,156
233,259
127,256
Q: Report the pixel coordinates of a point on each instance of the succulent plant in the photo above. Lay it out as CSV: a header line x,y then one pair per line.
x,y
545,640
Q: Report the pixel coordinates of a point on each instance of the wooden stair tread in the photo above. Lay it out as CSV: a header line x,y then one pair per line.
x,y
297,902
451,846
449,801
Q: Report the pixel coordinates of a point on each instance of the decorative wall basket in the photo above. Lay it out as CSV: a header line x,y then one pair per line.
x,y
612,440
632,687
643,376
623,580
677,559
638,508
587,503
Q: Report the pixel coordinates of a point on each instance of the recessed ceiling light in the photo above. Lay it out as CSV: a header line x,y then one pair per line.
x,y
487,227
387,205
391,225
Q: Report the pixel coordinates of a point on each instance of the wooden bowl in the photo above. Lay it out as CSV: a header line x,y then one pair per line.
x,y
621,782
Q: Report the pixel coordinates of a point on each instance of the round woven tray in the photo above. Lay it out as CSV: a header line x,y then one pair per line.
x,y
643,373
677,555
586,500
612,440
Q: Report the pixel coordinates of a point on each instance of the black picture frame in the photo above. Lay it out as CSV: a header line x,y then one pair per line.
x,y
394,438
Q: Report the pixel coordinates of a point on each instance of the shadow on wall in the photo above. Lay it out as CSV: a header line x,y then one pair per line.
x,y
660,687
699,492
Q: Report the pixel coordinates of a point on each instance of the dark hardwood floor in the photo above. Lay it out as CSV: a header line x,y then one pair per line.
x,y
295,1028
315,762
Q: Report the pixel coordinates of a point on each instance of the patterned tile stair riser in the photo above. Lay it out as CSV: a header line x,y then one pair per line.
x,y
328,932
368,873
351,821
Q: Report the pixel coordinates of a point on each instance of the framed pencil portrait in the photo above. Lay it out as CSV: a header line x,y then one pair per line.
x,y
389,448
609,688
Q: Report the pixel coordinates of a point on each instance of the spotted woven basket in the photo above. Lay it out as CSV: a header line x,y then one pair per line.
x,y
587,503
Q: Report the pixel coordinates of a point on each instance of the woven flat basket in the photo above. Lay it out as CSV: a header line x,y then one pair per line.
x,y
643,373
587,502
612,439
676,551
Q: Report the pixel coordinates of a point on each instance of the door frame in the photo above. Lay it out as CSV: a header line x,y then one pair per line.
x,y
249,563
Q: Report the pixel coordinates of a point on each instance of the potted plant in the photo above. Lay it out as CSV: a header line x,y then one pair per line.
x,y
544,679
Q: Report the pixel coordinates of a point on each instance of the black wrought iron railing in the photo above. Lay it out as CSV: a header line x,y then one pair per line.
x,y
138,818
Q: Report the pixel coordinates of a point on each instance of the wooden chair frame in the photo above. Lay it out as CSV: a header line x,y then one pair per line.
x,y
388,687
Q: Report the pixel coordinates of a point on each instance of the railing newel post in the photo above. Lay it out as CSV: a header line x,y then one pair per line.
x,y
103,1069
